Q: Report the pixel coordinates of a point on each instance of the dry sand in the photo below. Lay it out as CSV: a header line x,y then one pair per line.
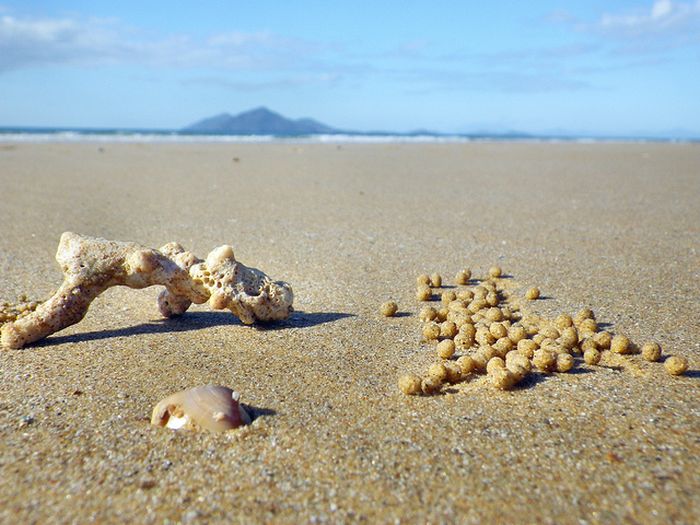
x,y
612,226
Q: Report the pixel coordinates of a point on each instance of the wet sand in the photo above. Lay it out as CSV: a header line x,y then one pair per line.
x,y
615,227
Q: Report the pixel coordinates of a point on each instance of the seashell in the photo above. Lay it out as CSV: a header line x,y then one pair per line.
x,y
210,407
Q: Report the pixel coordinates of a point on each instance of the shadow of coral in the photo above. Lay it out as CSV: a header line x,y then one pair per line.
x,y
195,321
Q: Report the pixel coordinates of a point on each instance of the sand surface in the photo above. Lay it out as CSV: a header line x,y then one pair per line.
x,y
615,227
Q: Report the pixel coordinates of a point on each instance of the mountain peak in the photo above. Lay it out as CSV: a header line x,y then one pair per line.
x,y
258,121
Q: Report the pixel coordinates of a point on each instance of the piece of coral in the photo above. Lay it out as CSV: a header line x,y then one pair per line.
x,y
91,265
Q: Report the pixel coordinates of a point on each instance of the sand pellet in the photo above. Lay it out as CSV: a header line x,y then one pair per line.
x,y
676,365
437,371
430,385
466,364
620,344
423,279
563,321
424,293
565,362
454,372
463,277
502,378
448,329
389,309
532,293
603,339
651,351
427,313
544,359
495,271
447,297
495,362
431,331
591,356
446,349
410,384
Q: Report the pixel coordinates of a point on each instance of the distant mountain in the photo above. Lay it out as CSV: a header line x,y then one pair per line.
x,y
258,121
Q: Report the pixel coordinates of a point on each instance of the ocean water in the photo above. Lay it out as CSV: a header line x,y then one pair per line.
x,y
63,135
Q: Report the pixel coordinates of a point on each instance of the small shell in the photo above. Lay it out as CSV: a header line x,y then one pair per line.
x,y
209,407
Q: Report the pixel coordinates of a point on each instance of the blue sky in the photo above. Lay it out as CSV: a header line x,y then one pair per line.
x,y
600,67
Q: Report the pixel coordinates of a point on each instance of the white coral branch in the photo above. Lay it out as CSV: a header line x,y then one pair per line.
x,y
92,265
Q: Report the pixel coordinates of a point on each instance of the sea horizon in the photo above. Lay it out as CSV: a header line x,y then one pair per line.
x,y
40,134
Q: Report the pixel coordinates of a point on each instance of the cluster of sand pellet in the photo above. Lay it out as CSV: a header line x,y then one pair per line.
x,y
482,327
10,312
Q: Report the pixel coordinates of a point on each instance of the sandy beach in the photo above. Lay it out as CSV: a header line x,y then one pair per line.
x,y
613,227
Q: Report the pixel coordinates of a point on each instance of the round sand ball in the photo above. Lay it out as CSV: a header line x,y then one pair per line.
x,y
498,330
442,314
532,293
591,356
516,333
568,337
563,321
427,313
492,299
503,379
437,371
651,351
463,340
584,313
494,314
447,297
465,295
468,329
495,271
430,385
519,372
531,329
484,337
516,359
550,332
620,344
410,384
436,280
602,339
527,347
482,356
423,279
431,331
589,344
389,309
544,359
424,293
466,364
507,313
495,362
676,365
503,346
458,318
448,329
457,306
588,325
454,372
446,349
565,362
462,277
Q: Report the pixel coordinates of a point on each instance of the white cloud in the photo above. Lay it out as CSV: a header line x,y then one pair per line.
x,y
663,16
35,42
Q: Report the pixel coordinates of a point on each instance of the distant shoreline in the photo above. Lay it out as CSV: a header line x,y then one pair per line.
x,y
39,135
